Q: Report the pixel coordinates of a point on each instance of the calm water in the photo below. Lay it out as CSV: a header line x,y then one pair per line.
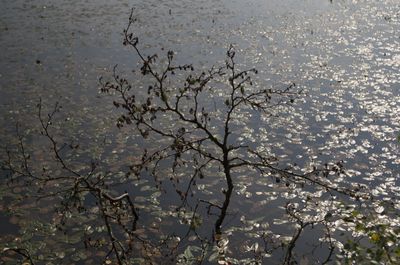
x,y
344,55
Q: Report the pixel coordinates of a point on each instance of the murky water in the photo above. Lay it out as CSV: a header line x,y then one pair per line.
x,y
344,56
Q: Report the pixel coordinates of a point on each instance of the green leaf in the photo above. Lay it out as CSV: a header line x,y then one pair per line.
x,y
375,237
360,227
355,213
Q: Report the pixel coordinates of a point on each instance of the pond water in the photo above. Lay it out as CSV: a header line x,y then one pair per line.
x,y
343,55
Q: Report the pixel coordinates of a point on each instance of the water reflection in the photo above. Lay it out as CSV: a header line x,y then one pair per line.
x,y
342,54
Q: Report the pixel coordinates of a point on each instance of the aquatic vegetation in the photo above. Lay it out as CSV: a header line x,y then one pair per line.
x,y
295,162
